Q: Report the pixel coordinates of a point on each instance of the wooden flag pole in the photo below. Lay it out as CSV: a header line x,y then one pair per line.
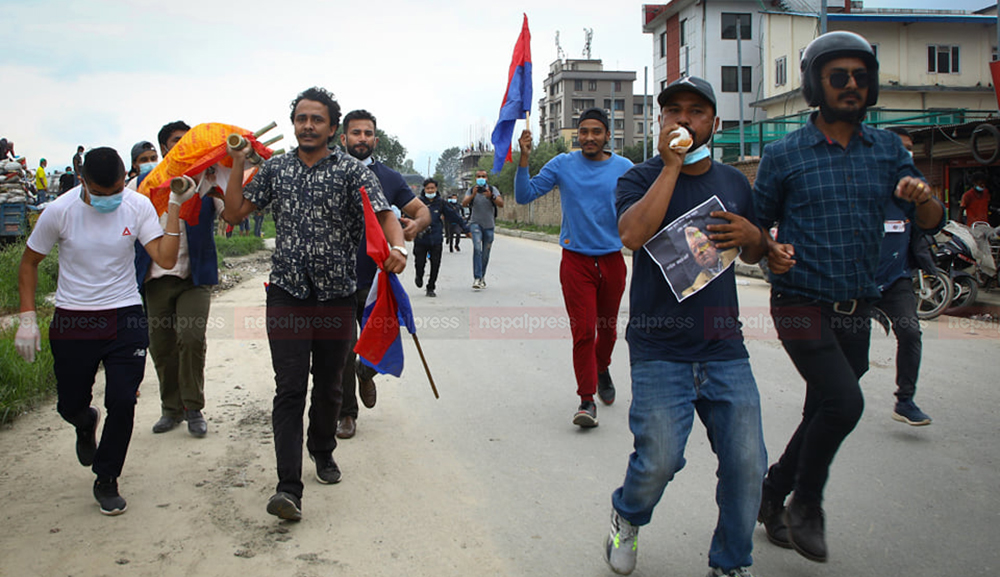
x,y
427,369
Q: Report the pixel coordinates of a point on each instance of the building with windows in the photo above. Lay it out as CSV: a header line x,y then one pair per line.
x,y
573,86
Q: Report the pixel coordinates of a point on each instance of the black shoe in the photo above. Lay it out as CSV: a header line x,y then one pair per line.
x,y
106,493
419,281
605,388
771,515
165,424
285,506
327,471
586,415
806,530
86,439
197,425
431,293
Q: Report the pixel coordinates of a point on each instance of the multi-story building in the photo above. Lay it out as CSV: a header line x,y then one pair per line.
x,y
573,86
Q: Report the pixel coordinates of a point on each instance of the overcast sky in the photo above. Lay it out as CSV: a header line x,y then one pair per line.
x,y
110,73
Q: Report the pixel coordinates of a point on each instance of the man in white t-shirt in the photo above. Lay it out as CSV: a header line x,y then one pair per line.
x,y
98,317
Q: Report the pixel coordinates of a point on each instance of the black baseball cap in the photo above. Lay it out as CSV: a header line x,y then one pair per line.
x,y
141,147
597,114
694,84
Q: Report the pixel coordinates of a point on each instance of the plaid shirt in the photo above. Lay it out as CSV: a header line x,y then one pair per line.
x,y
318,219
829,203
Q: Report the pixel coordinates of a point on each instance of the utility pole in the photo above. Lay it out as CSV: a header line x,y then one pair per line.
x,y
645,112
739,75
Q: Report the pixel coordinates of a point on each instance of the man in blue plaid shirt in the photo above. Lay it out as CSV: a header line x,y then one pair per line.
x,y
826,187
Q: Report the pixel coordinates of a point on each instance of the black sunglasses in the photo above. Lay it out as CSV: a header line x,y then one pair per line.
x,y
839,78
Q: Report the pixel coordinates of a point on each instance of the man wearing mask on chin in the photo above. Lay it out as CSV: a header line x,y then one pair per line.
x,y
98,318
688,355
144,160
827,186
592,269
360,142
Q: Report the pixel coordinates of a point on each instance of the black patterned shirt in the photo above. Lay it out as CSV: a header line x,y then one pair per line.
x,y
318,219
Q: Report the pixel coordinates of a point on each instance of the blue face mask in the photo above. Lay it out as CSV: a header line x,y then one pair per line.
x,y
106,204
980,188
480,182
431,196
146,167
697,154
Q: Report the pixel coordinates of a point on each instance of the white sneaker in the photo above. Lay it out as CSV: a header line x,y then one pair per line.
x,y
482,282
622,545
737,572
477,284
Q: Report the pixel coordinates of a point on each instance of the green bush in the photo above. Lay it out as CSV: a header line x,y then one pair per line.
x,y
23,385
10,262
237,245
546,228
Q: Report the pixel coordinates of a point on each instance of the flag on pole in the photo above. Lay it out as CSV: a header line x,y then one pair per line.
x,y
380,345
516,100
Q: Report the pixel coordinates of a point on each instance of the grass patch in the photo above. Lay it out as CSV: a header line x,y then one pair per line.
x,y
546,228
10,262
237,246
24,385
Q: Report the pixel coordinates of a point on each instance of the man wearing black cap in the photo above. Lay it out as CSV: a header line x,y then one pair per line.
x,y
687,351
143,161
827,186
592,271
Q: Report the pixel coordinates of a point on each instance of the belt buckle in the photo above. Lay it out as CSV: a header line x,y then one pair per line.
x,y
837,307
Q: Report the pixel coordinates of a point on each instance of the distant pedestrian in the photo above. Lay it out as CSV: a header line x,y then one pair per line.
x,y
976,200
41,178
98,319
67,180
258,223
454,231
430,241
483,200
78,163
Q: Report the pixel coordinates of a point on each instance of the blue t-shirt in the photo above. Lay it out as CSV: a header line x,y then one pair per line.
x,y
704,326
587,194
398,194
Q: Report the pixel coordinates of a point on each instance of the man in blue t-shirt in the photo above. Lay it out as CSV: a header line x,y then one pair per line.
x,y
592,272
686,348
360,142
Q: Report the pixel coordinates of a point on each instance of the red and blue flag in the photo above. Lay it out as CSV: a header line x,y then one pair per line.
x,y
516,100
380,344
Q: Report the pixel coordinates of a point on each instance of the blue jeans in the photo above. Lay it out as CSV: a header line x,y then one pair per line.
x,y
482,242
665,396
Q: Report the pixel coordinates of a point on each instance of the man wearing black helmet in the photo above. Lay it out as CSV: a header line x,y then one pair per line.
x,y
826,186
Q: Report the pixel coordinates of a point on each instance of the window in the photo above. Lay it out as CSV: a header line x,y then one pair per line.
x,y
578,85
781,71
729,81
637,109
682,30
729,20
576,123
942,59
994,57
619,143
875,50
663,84
581,104
618,85
592,86
727,124
619,124
619,104
663,45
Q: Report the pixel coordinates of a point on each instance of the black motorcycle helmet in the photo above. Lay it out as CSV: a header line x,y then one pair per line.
x,y
832,45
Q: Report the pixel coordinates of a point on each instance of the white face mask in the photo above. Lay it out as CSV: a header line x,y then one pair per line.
x,y
431,195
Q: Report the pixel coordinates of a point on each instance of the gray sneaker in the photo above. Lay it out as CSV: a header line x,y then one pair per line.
x,y
622,545
737,572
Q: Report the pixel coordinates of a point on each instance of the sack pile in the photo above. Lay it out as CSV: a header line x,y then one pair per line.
x,y
12,184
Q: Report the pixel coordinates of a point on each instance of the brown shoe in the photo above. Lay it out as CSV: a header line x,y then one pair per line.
x,y
346,428
366,390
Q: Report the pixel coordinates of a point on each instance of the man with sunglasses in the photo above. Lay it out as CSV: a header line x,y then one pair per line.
x,y
826,186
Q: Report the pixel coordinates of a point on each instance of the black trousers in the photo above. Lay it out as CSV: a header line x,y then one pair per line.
x,y
83,340
829,347
349,378
900,304
420,252
306,333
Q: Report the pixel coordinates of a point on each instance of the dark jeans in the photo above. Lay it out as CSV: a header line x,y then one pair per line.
x,y
454,234
830,351
298,329
420,252
900,304
82,340
349,407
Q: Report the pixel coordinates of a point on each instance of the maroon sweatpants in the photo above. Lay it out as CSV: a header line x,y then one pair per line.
x,y
592,288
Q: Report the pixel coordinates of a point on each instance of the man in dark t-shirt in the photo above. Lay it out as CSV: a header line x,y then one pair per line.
x,y
687,349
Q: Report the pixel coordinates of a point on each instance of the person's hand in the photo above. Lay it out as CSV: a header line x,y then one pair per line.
x,y
525,142
668,154
28,339
395,263
409,227
238,153
780,257
914,190
735,233
189,189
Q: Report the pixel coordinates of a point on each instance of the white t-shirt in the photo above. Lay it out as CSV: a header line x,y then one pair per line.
x,y
96,251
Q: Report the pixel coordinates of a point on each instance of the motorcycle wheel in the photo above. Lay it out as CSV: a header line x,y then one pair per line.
x,y
934,293
966,290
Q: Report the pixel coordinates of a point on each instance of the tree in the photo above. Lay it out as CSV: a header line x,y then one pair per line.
x,y
407,167
633,152
449,165
391,152
543,152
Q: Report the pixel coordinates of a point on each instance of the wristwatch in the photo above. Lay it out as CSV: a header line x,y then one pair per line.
x,y
401,249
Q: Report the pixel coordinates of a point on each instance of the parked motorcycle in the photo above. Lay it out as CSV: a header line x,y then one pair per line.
x,y
931,285
967,255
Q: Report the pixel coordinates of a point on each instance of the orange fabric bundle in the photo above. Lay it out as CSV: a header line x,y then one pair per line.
x,y
200,148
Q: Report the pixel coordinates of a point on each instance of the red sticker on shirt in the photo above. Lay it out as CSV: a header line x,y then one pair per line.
x,y
126,232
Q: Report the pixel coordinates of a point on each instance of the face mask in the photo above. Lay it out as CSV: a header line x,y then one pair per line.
x,y
431,196
697,154
980,188
910,152
106,204
481,182
146,167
